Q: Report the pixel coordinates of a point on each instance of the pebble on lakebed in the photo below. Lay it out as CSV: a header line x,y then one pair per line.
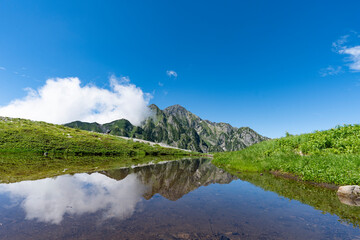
x,y
349,195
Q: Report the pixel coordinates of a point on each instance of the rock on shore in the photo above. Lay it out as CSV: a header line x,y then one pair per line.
x,y
349,195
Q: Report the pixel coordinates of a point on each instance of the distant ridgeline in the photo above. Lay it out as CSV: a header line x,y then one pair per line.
x,y
180,128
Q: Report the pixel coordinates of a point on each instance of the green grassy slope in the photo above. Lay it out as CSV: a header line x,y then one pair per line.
x,y
20,136
331,156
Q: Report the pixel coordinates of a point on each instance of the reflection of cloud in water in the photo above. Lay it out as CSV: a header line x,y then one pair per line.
x,y
47,200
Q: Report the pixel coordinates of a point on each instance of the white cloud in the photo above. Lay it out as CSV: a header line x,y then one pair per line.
x,y
161,84
48,200
353,52
338,44
354,56
330,70
62,100
171,73
2,68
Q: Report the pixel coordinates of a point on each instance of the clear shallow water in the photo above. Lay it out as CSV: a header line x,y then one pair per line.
x,y
187,199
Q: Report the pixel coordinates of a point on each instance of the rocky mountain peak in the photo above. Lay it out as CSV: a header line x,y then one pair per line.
x,y
155,110
154,107
176,109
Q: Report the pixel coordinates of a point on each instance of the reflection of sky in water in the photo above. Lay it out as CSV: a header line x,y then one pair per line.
x,y
48,200
235,209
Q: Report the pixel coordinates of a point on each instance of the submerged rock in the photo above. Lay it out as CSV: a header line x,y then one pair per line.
x,y
349,195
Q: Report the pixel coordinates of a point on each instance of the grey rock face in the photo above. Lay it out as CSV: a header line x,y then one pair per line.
x,y
186,130
175,126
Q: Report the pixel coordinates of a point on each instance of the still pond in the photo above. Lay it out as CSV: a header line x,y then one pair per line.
x,y
185,199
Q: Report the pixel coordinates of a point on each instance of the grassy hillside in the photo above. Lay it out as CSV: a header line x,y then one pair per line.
x,y
25,136
331,156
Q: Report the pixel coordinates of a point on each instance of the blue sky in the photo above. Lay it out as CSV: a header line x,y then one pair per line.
x,y
274,66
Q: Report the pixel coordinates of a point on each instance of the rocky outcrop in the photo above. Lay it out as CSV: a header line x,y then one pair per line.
x,y
177,127
349,195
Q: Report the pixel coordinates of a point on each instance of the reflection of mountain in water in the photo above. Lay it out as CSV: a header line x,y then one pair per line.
x,y
175,179
115,195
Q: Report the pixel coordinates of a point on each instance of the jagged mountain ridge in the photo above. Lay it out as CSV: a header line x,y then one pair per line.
x,y
180,128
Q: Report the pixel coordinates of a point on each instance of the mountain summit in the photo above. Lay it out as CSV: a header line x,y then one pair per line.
x,y
180,128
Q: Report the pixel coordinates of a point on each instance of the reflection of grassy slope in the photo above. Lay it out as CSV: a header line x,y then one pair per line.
x,y
19,136
320,198
19,167
331,156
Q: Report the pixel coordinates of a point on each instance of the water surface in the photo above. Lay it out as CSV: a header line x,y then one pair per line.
x,y
187,199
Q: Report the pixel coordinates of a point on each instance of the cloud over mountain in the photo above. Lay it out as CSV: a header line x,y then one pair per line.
x,y
63,100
